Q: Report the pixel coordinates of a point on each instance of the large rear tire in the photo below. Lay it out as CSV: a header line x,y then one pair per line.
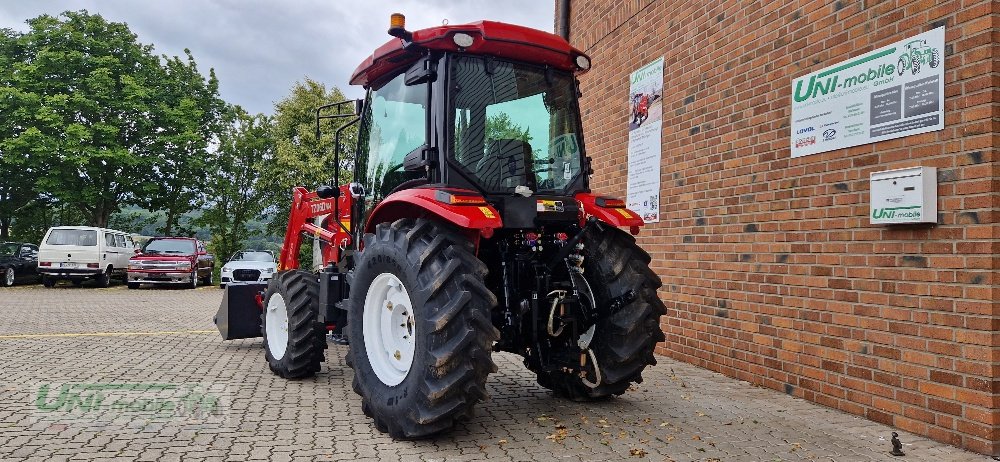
x,y
293,338
419,328
623,343
8,277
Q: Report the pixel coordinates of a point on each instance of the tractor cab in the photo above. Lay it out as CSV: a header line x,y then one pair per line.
x,y
487,108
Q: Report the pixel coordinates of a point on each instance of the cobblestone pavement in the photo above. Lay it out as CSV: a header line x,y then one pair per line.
x,y
680,412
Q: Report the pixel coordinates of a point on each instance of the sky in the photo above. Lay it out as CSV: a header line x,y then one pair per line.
x,y
259,48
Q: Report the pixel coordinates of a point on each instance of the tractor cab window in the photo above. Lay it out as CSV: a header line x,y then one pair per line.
x,y
394,125
515,125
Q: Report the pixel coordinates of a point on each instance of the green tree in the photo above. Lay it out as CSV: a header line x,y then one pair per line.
x,y
187,114
500,127
17,174
300,158
237,191
86,113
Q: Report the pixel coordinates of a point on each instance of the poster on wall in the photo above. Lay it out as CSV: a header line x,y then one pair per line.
x,y
644,125
892,92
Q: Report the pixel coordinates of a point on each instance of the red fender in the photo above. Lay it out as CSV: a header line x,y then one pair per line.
x,y
609,210
463,208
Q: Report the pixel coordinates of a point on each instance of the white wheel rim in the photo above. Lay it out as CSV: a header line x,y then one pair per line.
x,y
276,326
389,328
9,276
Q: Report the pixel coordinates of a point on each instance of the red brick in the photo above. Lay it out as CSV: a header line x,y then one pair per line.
x,y
859,316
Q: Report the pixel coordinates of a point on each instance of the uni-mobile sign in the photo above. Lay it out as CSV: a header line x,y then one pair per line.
x,y
894,91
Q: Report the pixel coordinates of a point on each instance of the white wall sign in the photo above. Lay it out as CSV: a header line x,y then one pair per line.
x,y
894,91
644,126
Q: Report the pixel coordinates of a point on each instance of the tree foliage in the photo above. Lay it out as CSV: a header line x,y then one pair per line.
x,y
93,120
302,159
236,195
188,111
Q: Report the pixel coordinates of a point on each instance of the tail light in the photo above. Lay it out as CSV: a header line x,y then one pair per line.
x,y
44,263
92,265
609,202
458,199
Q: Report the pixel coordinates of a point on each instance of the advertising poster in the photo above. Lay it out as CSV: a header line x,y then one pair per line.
x,y
891,92
644,125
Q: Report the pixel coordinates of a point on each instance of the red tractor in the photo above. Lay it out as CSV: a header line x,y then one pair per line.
x,y
469,228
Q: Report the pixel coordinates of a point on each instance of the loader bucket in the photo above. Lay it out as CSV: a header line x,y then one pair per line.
x,y
239,314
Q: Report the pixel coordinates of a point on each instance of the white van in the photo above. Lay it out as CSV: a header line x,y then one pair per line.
x,y
77,253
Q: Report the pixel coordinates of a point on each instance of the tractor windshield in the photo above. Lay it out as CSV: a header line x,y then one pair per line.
x,y
515,125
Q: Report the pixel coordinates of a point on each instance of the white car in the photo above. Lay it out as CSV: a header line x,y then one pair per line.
x,y
77,253
249,265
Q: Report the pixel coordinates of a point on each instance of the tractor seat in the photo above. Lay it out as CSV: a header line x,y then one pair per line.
x,y
503,166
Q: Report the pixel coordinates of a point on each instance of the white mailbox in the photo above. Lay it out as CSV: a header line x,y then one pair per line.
x,y
906,195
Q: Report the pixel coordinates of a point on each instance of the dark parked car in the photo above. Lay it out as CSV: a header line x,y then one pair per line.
x,y
18,262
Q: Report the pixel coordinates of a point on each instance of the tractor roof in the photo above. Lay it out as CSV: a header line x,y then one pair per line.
x,y
490,38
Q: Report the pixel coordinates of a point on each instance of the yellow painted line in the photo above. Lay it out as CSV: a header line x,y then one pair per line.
x,y
109,334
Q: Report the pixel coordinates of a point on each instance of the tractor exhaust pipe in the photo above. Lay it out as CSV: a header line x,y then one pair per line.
x,y
564,19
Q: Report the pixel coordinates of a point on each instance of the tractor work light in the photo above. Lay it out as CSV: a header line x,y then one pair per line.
x,y
458,199
463,40
397,27
397,21
583,62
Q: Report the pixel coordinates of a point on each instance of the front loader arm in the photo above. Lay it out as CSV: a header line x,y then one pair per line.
x,y
307,205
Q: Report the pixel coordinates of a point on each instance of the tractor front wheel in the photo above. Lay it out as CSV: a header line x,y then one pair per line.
x,y
623,343
419,328
293,338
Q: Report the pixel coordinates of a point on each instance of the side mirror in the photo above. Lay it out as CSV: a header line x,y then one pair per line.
x,y
326,192
420,159
359,106
422,71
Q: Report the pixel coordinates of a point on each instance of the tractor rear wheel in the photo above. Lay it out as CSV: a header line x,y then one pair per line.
x,y
419,328
623,343
293,338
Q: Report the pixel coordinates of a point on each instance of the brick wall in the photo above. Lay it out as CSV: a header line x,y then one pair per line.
x,y
771,271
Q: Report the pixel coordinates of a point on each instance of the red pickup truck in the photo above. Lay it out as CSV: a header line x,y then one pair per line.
x,y
171,260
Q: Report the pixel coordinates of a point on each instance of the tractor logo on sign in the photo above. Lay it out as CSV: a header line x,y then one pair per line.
x,y
807,141
918,53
